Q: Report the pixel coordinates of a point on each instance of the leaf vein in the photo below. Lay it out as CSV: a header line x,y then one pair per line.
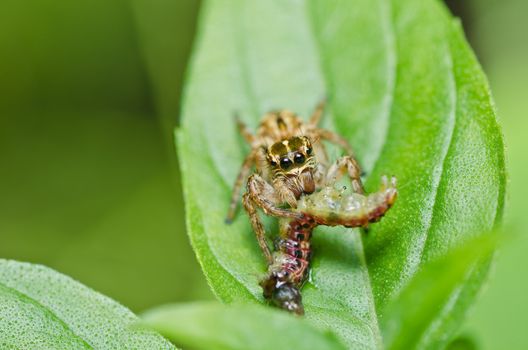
x,y
46,310
392,63
439,174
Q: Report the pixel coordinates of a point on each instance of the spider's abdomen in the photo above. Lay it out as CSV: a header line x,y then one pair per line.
x,y
281,125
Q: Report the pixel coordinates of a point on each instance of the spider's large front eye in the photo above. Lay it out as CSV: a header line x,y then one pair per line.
x,y
298,158
285,163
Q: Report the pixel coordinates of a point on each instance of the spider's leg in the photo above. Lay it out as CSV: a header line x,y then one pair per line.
x,y
261,194
251,209
267,198
242,175
317,114
319,175
244,130
335,139
349,165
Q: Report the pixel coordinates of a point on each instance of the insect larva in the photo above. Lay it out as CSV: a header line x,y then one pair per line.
x,y
329,206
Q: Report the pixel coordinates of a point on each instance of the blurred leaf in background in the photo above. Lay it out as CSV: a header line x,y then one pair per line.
x,y
85,180
499,31
165,31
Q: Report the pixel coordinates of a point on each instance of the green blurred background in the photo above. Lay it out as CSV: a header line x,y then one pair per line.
x,y
89,185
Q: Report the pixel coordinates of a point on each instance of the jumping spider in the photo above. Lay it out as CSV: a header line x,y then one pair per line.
x,y
290,161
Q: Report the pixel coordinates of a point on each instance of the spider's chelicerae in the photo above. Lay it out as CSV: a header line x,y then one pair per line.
x,y
290,161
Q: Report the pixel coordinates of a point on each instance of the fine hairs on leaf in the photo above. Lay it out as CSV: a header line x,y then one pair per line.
x,y
43,309
405,90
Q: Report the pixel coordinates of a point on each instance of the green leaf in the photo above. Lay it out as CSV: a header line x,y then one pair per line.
x,y
408,316
404,89
209,325
43,309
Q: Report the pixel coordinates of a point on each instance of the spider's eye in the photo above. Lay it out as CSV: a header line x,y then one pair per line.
x,y
273,163
285,163
309,150
298,158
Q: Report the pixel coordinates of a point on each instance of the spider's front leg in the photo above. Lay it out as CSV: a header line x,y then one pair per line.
x,y
348,165
261,194
235,193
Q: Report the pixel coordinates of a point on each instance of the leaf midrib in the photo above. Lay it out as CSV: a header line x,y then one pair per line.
x,y
440,177
241,50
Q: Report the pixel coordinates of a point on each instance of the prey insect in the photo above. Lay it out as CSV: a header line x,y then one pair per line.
x,y
331,207
290,161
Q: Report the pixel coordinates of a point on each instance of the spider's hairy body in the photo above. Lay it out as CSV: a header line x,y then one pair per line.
x,y
278,126
290,160
285,156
